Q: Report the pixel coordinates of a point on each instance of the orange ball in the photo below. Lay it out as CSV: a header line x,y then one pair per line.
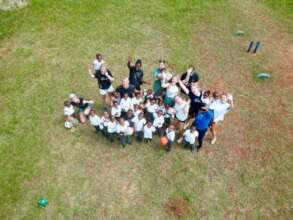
x,y
164,140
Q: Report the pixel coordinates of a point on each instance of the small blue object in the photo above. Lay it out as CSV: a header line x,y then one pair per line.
x,y
263,75
43,202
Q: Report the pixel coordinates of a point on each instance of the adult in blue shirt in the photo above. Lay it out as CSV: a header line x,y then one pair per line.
x,y
202,122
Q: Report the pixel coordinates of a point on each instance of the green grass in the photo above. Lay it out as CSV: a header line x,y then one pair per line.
x,y
43,52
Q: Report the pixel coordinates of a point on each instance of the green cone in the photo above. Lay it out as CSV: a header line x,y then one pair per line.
x,y
43,202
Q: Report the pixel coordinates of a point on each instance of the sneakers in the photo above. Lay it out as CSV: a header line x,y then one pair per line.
x,y
213,141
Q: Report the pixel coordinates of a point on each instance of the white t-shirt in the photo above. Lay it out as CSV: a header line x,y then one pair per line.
x,y
158,121
104,122
181,111
148,132
170,135
220,109
116,112
111,127
207,100
95,120
162,108
97,64
138,123
169,113
151,108
172,91
137,113
68,111
166,76
126,104
136,101
189,136
122,128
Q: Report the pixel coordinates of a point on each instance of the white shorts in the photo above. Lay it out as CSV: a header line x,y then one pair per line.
x,y
106,91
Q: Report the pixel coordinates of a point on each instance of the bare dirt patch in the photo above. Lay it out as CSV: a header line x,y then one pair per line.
x,y
176,207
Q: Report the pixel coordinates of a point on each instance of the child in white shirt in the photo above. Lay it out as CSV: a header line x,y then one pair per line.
x,y
104,123
123,132
136,111
151,108
159,122
125,104
70,120
170,134
95,120
116,110
111,128
206,97
137,99
190,136
139,123
148,131
169,115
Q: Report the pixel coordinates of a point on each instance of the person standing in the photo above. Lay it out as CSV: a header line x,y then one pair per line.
x,y
96,64
189,77
202,122
126,87
105,79
135,73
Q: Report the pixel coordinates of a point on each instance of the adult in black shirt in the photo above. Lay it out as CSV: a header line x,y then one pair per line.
x,y
189,77
194,95
126,88
105,79
135,73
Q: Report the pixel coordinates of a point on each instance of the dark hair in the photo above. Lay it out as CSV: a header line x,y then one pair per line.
x,y
67,103
207,93
138,61
216,94
98,55
162,61
191,66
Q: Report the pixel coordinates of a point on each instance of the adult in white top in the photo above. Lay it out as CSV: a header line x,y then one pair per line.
x,y
181,114
220,106
172,91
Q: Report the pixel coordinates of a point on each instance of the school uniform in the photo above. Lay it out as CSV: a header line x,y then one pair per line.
x,y
148,133
158,124
171,137
138,127
150,110
104,123
95,121
125,105
122,130
116,112
190,139
111,130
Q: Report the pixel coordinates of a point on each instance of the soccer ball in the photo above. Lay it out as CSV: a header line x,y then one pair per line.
x,y
68,124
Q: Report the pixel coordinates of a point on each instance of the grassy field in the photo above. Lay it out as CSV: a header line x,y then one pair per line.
x,y
44,50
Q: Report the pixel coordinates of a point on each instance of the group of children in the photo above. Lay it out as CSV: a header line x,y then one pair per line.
x,y
161,111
